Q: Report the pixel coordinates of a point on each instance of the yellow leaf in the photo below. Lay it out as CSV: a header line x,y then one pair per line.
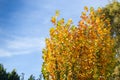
x,y
86,8
99,10
53,20
57,13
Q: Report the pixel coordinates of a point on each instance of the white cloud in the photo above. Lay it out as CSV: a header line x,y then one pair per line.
x,y
26,21
4,53
22,45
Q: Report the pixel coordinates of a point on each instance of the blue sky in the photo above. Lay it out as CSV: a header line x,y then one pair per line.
x,y
24,24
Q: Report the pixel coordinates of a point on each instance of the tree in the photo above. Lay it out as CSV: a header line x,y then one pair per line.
x,y
13,75
3,73
83,52
116,73
31,77
8,75
112,11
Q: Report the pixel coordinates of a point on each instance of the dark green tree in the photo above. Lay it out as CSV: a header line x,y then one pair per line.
x,y
31,77
8,75
13,75
3,73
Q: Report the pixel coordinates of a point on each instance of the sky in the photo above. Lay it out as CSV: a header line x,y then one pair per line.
x,y
24,25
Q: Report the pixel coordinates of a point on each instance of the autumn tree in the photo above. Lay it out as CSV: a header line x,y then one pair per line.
x,y
112,11
83,52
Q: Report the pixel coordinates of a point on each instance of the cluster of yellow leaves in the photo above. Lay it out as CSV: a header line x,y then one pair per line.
x,y
81,53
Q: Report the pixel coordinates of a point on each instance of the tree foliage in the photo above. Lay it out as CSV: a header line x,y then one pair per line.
x,y
3,73
13,75
8,76
112,11
83,52
31,77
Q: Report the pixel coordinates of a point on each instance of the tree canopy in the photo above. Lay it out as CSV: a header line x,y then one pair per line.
x,y
31,77
8,75
112,11
84,52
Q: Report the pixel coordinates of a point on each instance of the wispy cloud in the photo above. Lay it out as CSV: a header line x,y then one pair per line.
x,y
23,23
32,19
22,45
4,53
